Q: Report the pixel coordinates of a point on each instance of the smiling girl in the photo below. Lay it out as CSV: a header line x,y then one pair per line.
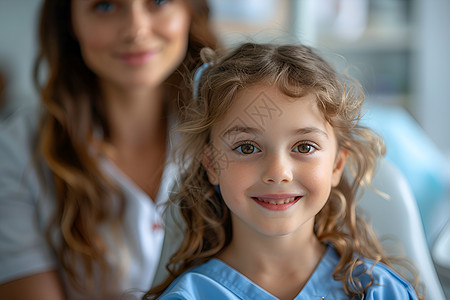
x,y
84,176
269,211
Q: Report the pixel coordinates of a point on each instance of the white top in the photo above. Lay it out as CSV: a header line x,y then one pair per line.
x,y
27,203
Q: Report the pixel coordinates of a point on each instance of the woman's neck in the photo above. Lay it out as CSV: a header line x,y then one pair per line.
x,y
135,117
281,265
138,130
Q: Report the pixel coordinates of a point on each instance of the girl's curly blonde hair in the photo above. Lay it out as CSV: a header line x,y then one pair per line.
x,y
296,70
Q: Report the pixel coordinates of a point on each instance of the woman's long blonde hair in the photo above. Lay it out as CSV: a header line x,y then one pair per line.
x,y
296,70
73,107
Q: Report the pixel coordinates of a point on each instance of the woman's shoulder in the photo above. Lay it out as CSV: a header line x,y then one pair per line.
x,y
20,126
18,138
26,204
25,176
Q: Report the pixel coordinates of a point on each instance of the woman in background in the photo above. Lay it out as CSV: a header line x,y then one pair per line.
x,y
79,213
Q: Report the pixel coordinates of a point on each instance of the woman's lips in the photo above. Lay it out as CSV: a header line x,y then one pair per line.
x,y
137,58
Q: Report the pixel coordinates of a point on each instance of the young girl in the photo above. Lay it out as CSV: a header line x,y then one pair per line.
x,y
79,194
269,211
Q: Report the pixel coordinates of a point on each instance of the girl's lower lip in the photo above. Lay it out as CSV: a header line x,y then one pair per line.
x,y
136,59
276,207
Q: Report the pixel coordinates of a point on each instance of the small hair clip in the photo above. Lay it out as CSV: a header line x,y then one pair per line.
x,y
217,188
198,76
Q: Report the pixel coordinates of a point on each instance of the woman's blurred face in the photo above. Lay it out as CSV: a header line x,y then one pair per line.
x,y
132,43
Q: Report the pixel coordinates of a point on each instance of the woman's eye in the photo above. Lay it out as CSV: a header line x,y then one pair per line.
x,y
247,149
104,6
160,2
304,148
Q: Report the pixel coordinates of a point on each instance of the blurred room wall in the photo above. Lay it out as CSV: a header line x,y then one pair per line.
x,y
17,50
431,76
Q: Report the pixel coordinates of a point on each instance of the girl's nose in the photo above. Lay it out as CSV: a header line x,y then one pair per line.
x,y
277,169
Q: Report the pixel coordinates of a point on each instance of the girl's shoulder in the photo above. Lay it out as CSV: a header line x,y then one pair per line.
x,y
382,282
386,283
214,279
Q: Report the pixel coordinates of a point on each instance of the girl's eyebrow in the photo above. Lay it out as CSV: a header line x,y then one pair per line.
x,y
255,131
308,130
240,129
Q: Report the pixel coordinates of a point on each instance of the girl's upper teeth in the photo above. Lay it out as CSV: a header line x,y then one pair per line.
x,y
277,202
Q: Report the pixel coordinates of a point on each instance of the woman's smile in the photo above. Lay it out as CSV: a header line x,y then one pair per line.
x,y
137,58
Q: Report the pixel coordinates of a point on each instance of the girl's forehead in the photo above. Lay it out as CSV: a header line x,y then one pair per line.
x,y
263,98
262,106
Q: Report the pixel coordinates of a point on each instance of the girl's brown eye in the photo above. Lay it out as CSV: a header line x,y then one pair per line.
x,y
303,148
247,149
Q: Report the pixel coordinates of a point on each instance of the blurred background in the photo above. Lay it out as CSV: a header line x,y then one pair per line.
x,y
398,49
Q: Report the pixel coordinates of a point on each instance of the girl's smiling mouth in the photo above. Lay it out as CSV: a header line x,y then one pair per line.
x,y
277,202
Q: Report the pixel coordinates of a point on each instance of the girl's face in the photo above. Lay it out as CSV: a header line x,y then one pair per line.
x,y
132,43
275,159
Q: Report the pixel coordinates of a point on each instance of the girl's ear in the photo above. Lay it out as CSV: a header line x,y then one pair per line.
x,y
339,165
209,163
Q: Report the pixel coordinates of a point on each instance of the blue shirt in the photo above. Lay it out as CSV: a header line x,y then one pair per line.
x,y
216,280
